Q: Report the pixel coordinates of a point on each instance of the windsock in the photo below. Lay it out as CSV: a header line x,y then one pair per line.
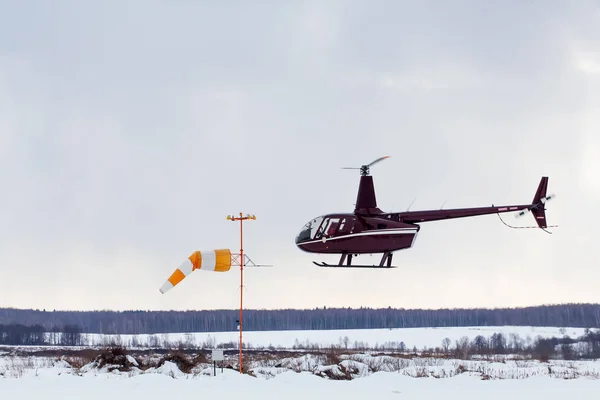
x,y
212,260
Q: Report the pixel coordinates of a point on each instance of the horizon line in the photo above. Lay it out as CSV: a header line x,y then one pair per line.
x,y
303,309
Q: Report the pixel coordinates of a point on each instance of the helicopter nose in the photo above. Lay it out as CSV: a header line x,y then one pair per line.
x,y
301,246
301,238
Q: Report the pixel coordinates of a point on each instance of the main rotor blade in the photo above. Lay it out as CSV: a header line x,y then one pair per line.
x,y
378,160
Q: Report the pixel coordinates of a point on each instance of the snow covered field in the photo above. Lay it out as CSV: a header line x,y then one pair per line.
x,y
292,386
59,383
297,375
411,337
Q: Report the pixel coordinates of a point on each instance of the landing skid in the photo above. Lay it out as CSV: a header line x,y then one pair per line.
x,y
325,265
385,259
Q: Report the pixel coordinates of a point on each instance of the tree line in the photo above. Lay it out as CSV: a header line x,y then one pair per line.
x,y
37,335
586,346
150,322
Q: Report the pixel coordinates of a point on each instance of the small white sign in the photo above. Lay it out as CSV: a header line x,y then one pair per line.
x,y
217,355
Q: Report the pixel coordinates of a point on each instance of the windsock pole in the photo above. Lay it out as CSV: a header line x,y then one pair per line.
x,y
241,218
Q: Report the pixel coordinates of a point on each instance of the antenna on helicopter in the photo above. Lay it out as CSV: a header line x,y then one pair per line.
x,y
364,169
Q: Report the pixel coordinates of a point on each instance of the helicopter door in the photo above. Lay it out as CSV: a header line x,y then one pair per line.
x,y
328,227
332,227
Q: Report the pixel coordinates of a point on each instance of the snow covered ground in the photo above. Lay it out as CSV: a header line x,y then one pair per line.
x,y
56,383
411,337
298,375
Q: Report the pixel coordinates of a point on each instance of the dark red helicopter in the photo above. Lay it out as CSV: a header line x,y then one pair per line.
x,y
369,230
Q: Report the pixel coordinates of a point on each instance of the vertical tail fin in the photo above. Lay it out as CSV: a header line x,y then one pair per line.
x,y
541,190
538,204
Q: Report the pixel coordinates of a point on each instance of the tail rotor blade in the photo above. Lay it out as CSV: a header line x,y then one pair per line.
x,y
544,200
522,213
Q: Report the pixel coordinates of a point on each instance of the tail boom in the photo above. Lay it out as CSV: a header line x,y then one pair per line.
x,y
413,217
537,208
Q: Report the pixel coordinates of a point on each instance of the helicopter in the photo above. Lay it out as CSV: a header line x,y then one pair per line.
x,y
369,230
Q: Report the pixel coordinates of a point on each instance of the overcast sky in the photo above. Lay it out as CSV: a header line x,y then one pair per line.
x,y
129,130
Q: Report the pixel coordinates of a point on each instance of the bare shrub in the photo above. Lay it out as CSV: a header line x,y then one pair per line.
x,y
399,363
332,357
200,358
346,373
296,365
114,358
179,358
81,358
75,362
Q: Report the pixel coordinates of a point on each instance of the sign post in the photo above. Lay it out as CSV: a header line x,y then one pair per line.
x,y
217,355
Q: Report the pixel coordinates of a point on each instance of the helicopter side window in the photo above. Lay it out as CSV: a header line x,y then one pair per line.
x,y
346,226
328,227
332,227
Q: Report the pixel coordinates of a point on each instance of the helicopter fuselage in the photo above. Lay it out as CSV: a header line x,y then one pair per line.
x,y
355,234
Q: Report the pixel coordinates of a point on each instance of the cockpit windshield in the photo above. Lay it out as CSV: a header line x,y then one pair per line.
x,y
320,226
309,230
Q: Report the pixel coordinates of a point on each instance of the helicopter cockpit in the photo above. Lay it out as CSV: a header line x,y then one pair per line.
x,y
324,226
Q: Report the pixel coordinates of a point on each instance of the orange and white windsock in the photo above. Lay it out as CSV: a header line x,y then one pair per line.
x,y
212,260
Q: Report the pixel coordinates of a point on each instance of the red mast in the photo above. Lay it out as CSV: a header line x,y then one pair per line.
x,y
241,218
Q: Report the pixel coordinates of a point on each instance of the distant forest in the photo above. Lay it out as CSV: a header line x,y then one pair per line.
x,y
152,322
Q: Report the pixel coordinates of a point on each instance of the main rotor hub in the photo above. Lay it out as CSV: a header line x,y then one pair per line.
x,y
364,170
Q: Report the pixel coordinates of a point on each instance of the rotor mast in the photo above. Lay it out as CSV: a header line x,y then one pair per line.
x,y
366,201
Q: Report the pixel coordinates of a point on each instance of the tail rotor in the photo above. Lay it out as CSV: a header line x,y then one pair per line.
x,y
536,207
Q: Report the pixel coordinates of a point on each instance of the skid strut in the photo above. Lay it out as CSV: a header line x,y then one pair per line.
x,y
386,256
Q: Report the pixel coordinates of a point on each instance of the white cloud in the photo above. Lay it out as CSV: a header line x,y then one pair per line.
x,y
589,63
